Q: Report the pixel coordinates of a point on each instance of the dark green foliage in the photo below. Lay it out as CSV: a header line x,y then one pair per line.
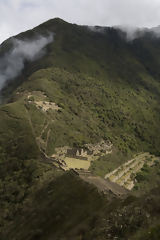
x,y
108,163
68,208
152,233
106,88
148,178
65,209
103,83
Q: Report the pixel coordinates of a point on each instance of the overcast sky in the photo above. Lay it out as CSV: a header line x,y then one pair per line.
x,y
19,15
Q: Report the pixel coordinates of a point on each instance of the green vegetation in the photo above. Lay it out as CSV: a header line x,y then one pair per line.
x,y
108,163
68,208
65,209
147,178
107,89
103,83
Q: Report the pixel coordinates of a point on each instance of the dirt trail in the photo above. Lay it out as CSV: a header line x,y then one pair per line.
x,y
42,145
46,124
39,98
31,125
105,186
117,181
121,180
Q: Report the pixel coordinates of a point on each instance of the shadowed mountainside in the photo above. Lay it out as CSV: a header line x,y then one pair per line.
x,y
87,87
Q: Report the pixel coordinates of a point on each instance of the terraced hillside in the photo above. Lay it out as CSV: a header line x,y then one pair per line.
x,y
107,88
126,173
90,102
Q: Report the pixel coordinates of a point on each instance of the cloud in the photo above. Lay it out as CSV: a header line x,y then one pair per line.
x,y
13,62
20,15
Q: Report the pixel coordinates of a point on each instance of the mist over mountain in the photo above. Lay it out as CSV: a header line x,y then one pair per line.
x,y
135,32
79,133
12,63
129,33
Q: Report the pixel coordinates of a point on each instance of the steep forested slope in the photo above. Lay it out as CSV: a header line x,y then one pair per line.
x,y
99,78
101,86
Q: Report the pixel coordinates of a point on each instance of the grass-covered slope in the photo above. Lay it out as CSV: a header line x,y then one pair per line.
x,y
102,87
68,208
103,82
63,208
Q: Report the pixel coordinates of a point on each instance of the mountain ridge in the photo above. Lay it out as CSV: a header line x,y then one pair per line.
x,y
88,89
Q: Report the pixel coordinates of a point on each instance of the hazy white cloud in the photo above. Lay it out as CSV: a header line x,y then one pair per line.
x,y
12,63
20,15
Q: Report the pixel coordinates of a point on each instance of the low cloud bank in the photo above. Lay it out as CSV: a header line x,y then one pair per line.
x,y
129,33
132,33
97,29
12,63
